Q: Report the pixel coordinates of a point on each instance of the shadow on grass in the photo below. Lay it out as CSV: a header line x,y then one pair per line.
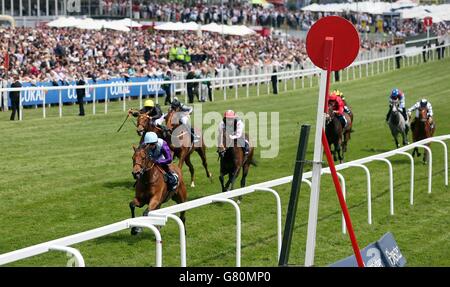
x,y
127,184
376,150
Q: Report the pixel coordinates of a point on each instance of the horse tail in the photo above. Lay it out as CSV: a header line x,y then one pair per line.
x,y
253,162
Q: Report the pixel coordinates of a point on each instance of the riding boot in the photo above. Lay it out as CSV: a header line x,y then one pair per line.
x,y
405,116
194,137
246,148
170,178
343,121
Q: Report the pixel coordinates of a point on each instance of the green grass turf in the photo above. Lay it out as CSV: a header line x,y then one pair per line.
x,y
61,176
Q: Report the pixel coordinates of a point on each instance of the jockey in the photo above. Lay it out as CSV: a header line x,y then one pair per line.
x,y
159,152
397,95
185,111
338,108
423,103
154,111
234,127
341,95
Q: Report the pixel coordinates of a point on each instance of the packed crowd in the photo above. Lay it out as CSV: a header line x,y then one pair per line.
x,y
254,15
61,55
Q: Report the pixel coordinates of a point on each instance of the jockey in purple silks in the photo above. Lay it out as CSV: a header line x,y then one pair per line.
x,y
159,153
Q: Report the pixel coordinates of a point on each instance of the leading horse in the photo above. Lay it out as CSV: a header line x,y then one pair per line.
x,y
422,129
151,188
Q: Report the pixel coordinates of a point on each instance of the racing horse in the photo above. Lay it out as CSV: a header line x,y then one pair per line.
x,y
232,159
422,129
336,135
397,124
151,188
182,148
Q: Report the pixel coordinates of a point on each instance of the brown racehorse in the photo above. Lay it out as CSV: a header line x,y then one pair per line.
x,y
150,187
421,129
182,148
336,135
232,159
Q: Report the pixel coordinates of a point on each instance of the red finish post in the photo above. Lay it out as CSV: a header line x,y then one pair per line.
x,y
328,53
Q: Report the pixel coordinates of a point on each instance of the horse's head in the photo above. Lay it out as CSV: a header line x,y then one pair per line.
x,y
330,114
140,161
173,119
423,114
143,122
395,106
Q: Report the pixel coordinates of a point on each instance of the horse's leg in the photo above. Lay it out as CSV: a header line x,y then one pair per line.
x,y
425,155
405,138
415,151
333,151
221,182
191,169
230,177
135,202
202,153
346,139
396,141
245,169
338,150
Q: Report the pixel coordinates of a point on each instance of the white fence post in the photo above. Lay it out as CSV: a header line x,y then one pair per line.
x,y
411,192
369,191
43,106
157,236
391,184
430,165
106,100
140,97
182,238
94,100
238,227
278,200
60,103
444,145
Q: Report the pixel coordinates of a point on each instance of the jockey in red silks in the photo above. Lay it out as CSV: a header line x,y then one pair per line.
x,y
338,108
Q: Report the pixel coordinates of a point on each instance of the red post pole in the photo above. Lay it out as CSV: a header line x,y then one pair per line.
x,y
328,51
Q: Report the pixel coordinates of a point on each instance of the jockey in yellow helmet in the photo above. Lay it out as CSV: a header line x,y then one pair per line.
x,y
154,111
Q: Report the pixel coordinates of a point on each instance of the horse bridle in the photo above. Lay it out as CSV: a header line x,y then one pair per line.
x,y
143,166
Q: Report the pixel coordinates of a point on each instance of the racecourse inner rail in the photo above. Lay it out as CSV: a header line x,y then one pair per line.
x,y
373,62
160,217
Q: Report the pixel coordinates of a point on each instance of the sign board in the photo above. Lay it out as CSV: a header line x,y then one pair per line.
x,y
36,97
383,253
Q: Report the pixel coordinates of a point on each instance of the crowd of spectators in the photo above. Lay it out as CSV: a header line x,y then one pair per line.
x,y
252,15
61,55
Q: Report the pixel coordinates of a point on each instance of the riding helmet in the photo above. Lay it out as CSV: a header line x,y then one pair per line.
x,y
395,93
229,114
150,137
149,103
423,103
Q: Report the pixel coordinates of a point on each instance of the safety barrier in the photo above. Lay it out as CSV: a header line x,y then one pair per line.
x,y
160,217
246,78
